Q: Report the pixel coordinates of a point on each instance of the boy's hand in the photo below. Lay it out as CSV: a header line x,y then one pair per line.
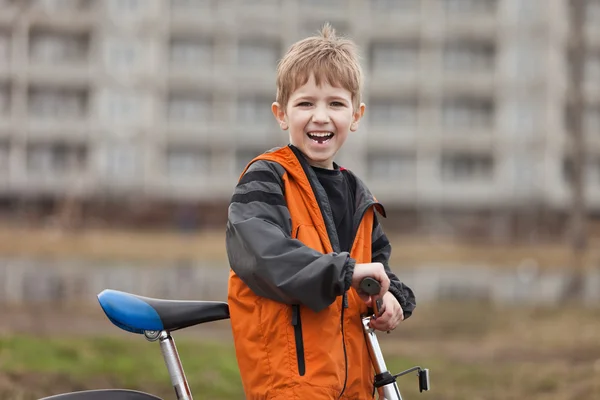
x,y
390,317
373,270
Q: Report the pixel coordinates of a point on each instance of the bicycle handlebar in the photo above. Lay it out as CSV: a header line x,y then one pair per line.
x,y
372,287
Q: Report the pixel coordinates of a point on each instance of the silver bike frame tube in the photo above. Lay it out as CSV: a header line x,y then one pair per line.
x,y
173,363
389,391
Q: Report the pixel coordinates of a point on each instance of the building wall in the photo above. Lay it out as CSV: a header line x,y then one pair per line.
x,y
466,99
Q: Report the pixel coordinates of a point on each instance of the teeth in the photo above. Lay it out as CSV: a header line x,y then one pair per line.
x,y
321,134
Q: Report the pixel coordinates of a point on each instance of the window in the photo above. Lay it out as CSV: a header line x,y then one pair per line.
x,y
394,5
5,48
314,26
122,54
190,52
591,121
591,171
530,11
271,3
466,167
592,69
55,158
125,6
255,111
391,166
526,60
57,103
468,113
187,162
48,47
392,57
525,115
592,13
257,54
393,112
191,5
123,106
185,108
4,156
470,6
463,56
328,3
121,161
63,5
4,100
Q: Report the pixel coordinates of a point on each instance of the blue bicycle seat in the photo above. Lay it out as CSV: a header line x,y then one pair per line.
x,y
137,314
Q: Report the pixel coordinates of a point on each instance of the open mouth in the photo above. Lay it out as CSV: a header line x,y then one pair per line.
x,y
320,137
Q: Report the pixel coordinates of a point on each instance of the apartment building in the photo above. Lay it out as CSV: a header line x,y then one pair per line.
x,y
168,99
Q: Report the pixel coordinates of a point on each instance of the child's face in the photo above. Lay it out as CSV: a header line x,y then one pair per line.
x,y
319,119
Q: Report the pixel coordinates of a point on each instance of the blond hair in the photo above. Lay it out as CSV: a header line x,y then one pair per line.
x,y
328,57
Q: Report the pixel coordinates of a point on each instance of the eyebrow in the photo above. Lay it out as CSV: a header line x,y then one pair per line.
x,y
330,98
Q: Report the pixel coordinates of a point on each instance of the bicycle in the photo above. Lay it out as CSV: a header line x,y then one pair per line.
x,y
156,319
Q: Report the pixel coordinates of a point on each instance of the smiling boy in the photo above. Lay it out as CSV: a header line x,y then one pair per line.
x,y
302,233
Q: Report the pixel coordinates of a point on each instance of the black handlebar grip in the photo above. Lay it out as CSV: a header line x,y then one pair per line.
x,y
370,286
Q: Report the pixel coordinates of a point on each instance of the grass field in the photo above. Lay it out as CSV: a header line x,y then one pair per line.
x,y
474,352
210,246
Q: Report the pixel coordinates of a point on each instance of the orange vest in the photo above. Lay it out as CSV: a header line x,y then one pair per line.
x,y
266,332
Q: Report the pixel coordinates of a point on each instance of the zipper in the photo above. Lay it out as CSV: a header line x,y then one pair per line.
x,y
345,297
297,323
344,306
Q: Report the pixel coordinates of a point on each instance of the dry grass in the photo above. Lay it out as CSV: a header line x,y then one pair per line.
x,y
210,246
474,351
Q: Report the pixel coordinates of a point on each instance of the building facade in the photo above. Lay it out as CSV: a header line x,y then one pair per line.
x,y
467,100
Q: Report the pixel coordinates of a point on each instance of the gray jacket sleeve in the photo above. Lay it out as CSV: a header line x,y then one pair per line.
x,y
264,255
381,252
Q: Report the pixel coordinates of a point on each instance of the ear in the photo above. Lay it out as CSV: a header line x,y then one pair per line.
x,y
358,114
279,113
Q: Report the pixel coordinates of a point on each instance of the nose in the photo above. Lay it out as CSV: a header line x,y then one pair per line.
x,y
320,115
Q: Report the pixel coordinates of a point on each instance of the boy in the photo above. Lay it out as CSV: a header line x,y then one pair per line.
x,y
302,234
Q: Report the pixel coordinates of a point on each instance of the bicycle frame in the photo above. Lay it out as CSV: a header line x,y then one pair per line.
x,y
172,361
386,385
385,382
156,318
388,391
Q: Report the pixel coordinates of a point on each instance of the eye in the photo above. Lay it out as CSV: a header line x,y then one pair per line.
x,y
338,104
304,104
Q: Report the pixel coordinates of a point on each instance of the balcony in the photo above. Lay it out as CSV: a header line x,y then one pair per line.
x,y
191,61
67,15
191,115
58,112
470,18
195,16
59,58
5,108
56,168
469,67
256,64
10,11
